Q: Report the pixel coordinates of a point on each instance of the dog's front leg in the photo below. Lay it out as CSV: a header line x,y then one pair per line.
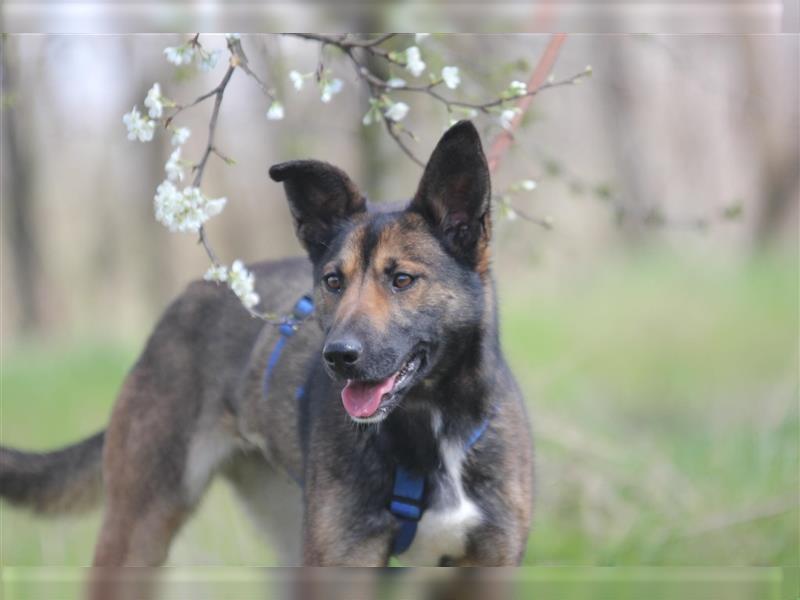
x,y
493,545
340,530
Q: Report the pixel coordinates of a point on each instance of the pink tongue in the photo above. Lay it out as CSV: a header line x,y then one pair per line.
x,y
361,399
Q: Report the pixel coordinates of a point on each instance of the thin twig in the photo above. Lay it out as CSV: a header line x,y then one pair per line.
x,y
241,61
181,107
543,223
390,128
209,250
622,210
345,44
201,166
484,107
368,78
212,126
374,42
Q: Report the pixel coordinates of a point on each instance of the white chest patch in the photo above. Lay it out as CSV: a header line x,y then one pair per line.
x,y
446,522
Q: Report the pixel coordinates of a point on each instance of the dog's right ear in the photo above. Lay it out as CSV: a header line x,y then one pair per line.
x,y
321,197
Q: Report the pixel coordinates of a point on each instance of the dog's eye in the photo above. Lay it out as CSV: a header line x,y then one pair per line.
x,y
333,282
402,280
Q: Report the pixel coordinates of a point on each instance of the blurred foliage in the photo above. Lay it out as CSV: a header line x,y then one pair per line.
x,y
666,401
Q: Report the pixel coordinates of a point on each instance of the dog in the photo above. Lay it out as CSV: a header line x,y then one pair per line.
x,y
386,422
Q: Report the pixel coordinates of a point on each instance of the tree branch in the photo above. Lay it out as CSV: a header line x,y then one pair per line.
x,y
240,59
376,86
219,91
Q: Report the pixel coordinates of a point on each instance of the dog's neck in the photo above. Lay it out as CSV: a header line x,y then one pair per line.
x,y
449,408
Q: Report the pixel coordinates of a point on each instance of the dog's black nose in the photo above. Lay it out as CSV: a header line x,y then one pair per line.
x,y
342,353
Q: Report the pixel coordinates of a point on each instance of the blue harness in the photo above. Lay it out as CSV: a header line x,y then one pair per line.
x,y
407,497
303,309
407,502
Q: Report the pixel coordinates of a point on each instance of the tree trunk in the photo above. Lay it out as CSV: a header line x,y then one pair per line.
x,y
778,154
19,204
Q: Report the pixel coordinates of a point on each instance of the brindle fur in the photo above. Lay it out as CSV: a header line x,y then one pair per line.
x,y
193,405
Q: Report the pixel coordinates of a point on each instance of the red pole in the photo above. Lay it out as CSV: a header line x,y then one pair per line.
x,y
503,140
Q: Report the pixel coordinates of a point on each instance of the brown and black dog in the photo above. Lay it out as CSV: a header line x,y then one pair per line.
x,y
403,371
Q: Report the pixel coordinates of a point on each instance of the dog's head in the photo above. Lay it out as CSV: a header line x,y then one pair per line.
x,y
398,293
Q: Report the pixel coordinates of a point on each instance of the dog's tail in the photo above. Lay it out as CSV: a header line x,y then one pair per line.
x,y
68,480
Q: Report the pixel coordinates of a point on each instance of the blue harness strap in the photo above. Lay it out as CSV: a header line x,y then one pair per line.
x,y
407,502
406,505
301,311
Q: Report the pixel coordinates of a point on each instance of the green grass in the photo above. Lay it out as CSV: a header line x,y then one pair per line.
x,y
664,401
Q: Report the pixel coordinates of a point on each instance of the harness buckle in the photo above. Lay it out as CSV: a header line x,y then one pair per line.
x,y
406,508
287,328
303,308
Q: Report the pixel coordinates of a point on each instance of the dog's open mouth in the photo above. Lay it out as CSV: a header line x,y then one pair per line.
x,y
364,400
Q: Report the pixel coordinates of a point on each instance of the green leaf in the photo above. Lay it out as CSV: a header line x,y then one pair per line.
x,y
733,211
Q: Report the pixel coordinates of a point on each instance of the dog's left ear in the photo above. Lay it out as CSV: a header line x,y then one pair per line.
x,y
455,191
321,197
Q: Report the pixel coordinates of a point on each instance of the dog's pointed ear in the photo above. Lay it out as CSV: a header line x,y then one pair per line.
x,y
320,197
455,191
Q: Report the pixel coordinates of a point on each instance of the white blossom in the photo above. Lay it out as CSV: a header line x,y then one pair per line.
x,y
451,77
275,112
330,88
241,281
209,60
507,117
213,206
518,88
173,167
297,80
370,117
418,37
396,82
179,55
167,202
233,37
397,111
414,62
139,127
469,113
187,210
153,102
216,273
251,300
527,184
180,135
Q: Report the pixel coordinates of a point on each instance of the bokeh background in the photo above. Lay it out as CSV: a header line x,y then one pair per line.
x,y
653,328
